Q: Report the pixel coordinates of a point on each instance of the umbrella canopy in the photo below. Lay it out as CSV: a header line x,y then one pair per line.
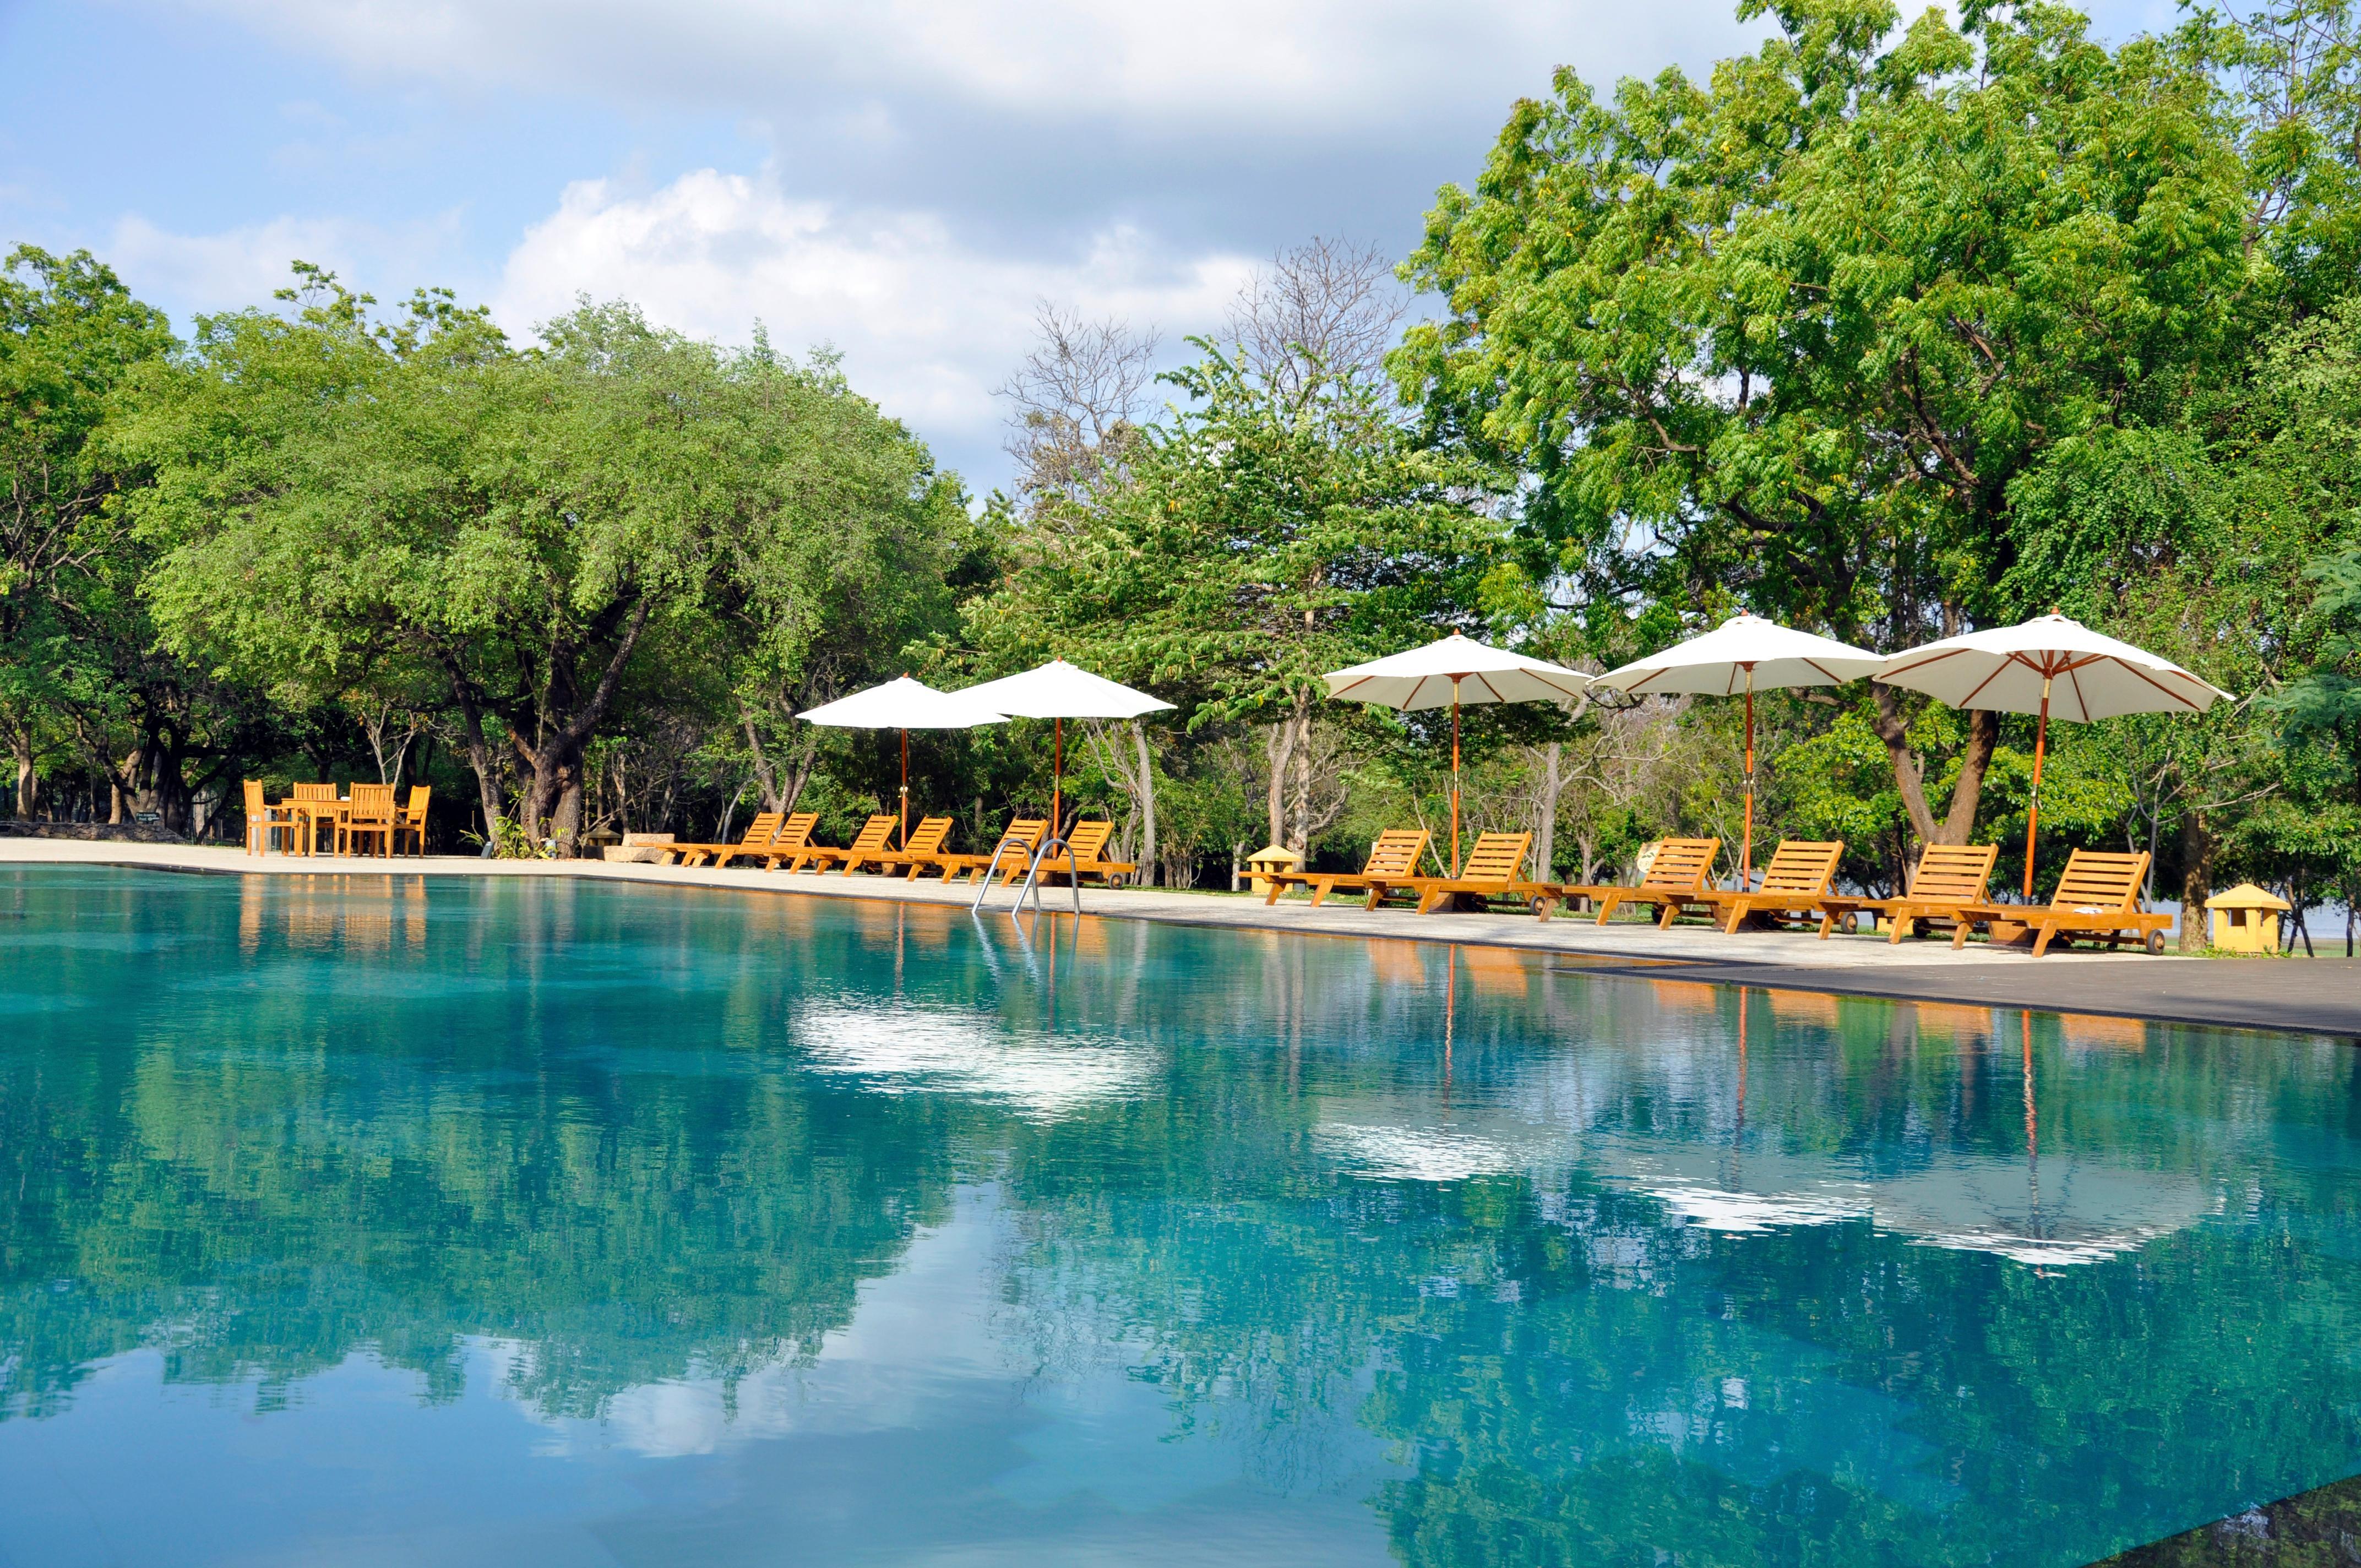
x,y
1455,670
903,705
1741,654
1061,691
2048,664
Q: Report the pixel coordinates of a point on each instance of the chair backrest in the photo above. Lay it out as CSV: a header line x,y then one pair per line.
x,y
2098,880
314,792
1024,832
928,837
1954,873
372,800
796,831
1088,841
758,831
414,814
1802,866
1397,853
873,834
256,808
1682,865
1496,857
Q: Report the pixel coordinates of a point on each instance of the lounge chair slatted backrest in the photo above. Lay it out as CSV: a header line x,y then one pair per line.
x,y
1496,856
874,835
928,836
2100,880
1953,873
1088,841
763,829
1397,853
1682,865
795,832
1801,868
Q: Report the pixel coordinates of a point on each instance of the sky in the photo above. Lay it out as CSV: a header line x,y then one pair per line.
x,y
906,182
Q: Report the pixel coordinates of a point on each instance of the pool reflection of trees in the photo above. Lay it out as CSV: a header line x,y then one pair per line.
x,y
672,1137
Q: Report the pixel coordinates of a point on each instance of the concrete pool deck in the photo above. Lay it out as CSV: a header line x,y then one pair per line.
x,y
2319,996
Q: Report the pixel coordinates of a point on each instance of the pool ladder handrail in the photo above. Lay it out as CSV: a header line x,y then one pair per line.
x,y
1032,875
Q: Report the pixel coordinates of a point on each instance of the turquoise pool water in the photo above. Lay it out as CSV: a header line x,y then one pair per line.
x,y
381,1220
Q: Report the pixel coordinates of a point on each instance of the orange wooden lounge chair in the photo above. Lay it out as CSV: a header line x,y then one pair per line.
x,y
265,821
1393,857
793,833
1085,855
2098,897
874,835
1794,886
1675,879
1015,850
759,834
1491,871
924,839
1948,877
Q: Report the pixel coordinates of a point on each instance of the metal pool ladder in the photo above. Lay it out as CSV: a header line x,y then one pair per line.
x,y
1032,876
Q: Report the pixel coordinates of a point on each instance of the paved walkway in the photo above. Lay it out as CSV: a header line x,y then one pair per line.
x,y
2315,995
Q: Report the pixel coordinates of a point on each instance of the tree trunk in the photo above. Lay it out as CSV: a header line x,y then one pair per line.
x,y
1545,815
2196,878
1300,841
1150,872
765,776
1967,792
1280,747
557,762
28,782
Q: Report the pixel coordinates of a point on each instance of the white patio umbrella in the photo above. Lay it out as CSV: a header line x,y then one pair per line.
x,y
904,704
1740,654
1060,691
1455,670
2013,669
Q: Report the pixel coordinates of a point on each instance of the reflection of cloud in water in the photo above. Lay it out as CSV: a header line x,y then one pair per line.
x,y
2068,1212
910,1049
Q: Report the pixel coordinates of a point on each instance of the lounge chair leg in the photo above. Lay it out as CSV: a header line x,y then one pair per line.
x,y
1664,917
1828,918
1960,930
2041,942
1606,907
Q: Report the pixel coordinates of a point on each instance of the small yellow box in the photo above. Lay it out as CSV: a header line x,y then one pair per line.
x,y
2247,919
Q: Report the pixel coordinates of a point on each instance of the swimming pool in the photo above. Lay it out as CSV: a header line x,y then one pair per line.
x,y
373,1219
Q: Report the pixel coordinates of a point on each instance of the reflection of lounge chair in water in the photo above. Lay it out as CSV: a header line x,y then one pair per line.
x,y
1674,880
1015,850
1494,870
2098,897
1794,886
1392,858
1947,878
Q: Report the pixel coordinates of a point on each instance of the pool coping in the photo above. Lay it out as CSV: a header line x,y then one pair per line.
x,y
2316,996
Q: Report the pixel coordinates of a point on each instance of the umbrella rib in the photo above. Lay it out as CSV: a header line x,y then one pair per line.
x,y
2074,679
2160,685
1980,686
1936,659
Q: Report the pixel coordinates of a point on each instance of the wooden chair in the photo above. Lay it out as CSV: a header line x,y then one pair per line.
x,y
371,817
1023,837
1948,877
1491,871
1393,857
2098,897
265,821
1795,886
871,839
924,840
412,818
759,834
1085,855
301,798
1675,879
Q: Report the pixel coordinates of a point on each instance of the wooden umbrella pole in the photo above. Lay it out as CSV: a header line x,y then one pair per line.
x,y
2033,806
1056,778
906,789
1455,776
1746,836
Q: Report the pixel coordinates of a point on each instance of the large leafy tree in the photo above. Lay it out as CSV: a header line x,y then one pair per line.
x,y
1795,334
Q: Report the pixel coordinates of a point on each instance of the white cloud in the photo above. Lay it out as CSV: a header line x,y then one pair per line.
x,y
242,266
929,322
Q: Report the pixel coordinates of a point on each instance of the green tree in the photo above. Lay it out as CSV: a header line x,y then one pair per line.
x,y
1795,334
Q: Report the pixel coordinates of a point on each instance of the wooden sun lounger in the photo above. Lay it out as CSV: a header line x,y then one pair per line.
x,y
1023,837
759,834
1491,871
925,838
1947,878
791,834
1085,855
1794,886
871,841
2098,897
1675,879
1392,858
